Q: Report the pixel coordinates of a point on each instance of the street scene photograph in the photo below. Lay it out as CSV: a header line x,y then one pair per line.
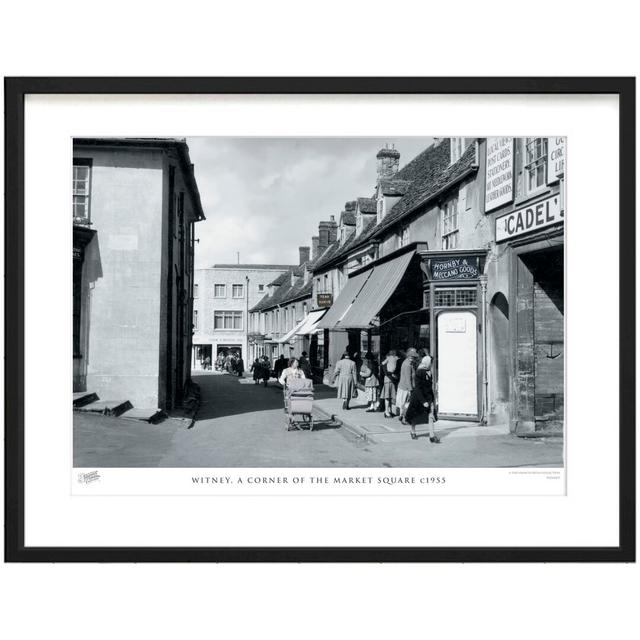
x,y
365,302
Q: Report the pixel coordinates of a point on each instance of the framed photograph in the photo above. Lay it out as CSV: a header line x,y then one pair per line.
x,y
320,319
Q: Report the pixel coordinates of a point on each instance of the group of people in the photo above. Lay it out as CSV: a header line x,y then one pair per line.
x,y
402,386
282,369
231,363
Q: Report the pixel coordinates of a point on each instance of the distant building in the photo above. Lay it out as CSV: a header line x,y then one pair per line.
x,y
135,204
223,294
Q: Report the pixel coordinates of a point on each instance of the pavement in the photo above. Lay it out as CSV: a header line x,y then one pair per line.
x,y
240,424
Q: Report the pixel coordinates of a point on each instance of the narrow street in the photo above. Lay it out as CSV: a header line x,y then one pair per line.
x,y
241,424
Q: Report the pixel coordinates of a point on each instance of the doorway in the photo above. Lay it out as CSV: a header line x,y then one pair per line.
x,y
457,363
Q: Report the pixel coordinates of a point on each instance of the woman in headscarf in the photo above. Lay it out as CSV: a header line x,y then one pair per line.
x,y
421,407
292,371
345,373
390,382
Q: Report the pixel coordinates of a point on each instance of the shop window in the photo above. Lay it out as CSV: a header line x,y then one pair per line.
x,y
219,290
455,297
227,320
81,191
237,291
535,164
450,229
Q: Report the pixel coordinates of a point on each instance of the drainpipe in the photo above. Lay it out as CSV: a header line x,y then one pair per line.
x,y
485,380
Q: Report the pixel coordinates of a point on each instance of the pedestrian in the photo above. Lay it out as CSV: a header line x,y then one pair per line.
x,y
305,365
256,369
240,366
390,383
265,370
280,366
407,383
422,404
368,374
292,371
345,373
207,363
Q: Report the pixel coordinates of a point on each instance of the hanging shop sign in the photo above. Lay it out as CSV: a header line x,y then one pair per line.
x,y
536,216
454,268
556,153
324,299
499,175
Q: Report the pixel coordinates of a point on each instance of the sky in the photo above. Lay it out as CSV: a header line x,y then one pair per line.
x,y
264,197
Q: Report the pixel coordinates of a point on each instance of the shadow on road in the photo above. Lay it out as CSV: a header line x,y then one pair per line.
x,y
225,395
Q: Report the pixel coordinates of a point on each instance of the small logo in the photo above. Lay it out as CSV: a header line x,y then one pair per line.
x,y
86,478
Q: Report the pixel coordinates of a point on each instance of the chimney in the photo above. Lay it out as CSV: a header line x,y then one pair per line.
x,y
323,235
333,229
388,162
314,247
304,254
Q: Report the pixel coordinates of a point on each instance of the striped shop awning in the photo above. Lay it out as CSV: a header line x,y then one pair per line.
x,y
344,301
375,292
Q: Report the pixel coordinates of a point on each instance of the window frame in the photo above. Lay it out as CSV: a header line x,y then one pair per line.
x,y
224,287
448,231
539,161
235,297
228,314
88,164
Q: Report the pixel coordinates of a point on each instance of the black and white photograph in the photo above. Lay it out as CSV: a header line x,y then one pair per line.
x,y
318,302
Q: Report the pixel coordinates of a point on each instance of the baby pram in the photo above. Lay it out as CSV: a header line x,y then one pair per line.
x,y
298,403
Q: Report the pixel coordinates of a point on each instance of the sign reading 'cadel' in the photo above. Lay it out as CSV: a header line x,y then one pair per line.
x,y
463,268
536,216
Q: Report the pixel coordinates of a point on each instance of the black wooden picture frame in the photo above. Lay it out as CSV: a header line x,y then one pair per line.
x,y
15,91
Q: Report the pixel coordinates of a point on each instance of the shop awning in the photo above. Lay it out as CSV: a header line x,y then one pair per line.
x,y
310,323
376,291
287,336
342,303
305,327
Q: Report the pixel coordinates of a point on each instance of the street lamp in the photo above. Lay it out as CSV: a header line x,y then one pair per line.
x,y
485,380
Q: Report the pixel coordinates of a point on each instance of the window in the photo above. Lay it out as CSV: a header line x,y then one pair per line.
x,y
304,309
227,320
403,237
535,164
237,291
455,297
195,290
260,288
450,230
81,192
195,319
219,290
326,283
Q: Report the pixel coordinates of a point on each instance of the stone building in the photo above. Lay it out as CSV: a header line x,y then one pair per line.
x,y
223,295
135,205
462,256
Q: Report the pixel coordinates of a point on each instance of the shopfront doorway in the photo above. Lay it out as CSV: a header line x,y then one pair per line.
x,y
457,355
539,340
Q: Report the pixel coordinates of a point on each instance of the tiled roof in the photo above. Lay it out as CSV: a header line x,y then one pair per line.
x,y
431,174
252,266
367,205
348,217
394,187
285,292
350,206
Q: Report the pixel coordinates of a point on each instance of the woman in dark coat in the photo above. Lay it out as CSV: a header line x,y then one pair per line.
x,y
421,407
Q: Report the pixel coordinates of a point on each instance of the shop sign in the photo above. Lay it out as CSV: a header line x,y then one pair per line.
x,y
556,152
499,176
460,268
77,253
536,216
324,299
